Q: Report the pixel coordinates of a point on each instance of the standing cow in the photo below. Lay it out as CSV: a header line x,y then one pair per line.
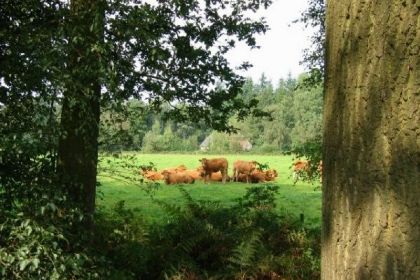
x,y
214,165
243,167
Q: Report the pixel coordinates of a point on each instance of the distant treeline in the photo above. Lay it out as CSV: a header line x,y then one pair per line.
x,y
296,117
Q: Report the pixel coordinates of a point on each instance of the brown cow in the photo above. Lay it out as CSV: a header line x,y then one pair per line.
x,y
214,165
177,177
195,173
243,167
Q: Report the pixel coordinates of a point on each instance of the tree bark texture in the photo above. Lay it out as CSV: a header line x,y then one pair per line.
x,y
371,198
78,145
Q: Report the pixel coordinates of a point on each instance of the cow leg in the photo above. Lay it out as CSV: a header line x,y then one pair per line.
x,y
223,176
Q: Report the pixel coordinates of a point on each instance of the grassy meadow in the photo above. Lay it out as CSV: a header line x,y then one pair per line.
x,y
302,198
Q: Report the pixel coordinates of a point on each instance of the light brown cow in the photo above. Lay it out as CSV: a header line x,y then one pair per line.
x,y
271,175
303,168
300,167
214,165
243,167
218,177
177,177
195,173
152,175
320,171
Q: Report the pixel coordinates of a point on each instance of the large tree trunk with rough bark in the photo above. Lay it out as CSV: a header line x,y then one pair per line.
x,y
371,199
78,145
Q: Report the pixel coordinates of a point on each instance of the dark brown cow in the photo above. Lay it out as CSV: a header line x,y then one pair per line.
x,y
214,165
243,167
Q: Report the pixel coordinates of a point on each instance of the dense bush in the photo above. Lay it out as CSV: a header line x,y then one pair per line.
x,y
202,239
42,246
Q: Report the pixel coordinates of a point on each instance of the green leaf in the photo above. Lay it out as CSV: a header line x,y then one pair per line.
x,y
23,264
35,262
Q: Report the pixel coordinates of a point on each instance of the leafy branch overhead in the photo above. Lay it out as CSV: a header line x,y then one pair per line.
x,y
173,52
163,52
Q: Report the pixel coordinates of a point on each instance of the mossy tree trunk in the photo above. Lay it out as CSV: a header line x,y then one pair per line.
x,y
78,145
371,199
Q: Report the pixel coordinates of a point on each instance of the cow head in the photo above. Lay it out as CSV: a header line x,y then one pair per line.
x,y
271,174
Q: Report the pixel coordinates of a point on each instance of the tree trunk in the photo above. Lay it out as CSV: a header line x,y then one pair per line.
x,y
371,199
78,145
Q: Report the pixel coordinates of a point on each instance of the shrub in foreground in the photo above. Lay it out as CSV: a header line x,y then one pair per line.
x,y
202,240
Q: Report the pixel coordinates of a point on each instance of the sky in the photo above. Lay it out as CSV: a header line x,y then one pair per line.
x,y
281,47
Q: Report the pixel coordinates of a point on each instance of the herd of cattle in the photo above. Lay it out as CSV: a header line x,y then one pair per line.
x,y
215,169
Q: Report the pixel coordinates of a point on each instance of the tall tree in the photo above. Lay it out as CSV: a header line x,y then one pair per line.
x,y
371,210
78,145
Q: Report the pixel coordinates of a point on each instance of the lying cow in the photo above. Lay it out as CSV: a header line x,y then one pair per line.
x,y
218,177
152,175
177,177
176,169
258,176
195,173
243,167
214,165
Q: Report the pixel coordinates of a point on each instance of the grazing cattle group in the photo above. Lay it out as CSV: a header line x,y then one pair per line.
x,y
215,170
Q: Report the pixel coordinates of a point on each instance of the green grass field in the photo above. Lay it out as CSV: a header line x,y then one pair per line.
x,y
294,200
